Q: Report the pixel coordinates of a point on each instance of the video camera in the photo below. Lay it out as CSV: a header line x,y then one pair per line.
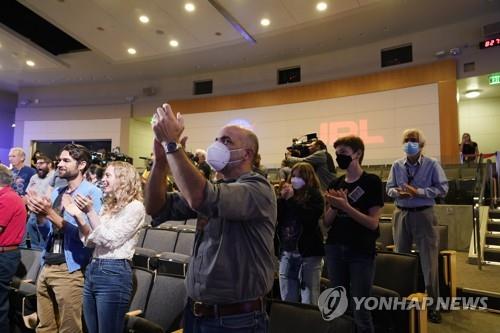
x,y
102,159
300,146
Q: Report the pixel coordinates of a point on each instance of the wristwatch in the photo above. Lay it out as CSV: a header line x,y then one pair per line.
x,y
172,147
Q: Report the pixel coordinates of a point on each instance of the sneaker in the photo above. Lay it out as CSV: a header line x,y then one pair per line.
x,y
434,316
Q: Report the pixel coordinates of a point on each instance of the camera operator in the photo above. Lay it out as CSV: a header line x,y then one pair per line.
x,y
319,160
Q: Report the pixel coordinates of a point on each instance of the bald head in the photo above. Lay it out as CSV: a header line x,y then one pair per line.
x,y
244,137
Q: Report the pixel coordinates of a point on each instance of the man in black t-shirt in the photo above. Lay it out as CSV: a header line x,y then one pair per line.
x,y
353,209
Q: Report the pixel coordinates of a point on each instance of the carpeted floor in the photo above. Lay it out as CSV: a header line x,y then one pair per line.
x,y
469,276
469,321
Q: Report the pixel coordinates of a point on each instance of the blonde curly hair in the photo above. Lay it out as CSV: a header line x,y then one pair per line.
x,y
127,188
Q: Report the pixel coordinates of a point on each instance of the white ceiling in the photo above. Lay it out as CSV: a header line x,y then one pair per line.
x,y
207,42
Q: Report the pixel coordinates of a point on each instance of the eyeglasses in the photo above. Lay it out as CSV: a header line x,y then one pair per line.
x,y
410,140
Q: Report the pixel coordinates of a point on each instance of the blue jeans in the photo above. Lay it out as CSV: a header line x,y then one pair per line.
x,y
8,266
253,322
36,239
106,294
355,272
299,278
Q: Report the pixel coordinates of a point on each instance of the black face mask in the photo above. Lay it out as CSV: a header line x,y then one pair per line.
x,y
343,161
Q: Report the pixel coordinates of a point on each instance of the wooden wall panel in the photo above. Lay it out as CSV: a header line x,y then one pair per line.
x,y
441,72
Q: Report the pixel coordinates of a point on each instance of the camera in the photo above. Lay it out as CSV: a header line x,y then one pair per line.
x,y
300,146
102,159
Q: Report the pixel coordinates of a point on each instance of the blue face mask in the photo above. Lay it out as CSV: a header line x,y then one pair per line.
x,y
411,148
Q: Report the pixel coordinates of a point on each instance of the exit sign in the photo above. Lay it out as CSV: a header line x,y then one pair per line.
x,y
494,79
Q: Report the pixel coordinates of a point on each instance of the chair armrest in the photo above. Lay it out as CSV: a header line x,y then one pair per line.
x,y
418,316
134,313
141,325
178,331
390,248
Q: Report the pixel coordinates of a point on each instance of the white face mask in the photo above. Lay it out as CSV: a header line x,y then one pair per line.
x,y
219,155
297,183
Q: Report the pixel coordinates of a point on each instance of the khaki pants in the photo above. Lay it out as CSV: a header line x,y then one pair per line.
x,y
59,300
419,228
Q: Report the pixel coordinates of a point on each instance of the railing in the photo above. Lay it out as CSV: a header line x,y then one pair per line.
x,y
485,175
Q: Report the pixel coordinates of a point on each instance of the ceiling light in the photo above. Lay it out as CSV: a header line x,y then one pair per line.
x,y
144,19
265,22
30,63
472,93
321,6
189,7
13,125
131,51
174,43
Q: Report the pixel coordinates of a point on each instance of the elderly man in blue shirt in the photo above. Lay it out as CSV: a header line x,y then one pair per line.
x,y
415,181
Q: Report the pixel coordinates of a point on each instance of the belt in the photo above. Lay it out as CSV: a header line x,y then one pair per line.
x,y
8,248
201,309
414,209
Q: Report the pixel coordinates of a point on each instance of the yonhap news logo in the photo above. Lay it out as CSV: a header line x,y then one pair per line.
x,y
333,303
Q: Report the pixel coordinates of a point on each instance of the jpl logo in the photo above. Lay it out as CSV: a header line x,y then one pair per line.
x,y
330,132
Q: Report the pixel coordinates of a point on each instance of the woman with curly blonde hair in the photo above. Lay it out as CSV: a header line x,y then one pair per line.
x,y
113,233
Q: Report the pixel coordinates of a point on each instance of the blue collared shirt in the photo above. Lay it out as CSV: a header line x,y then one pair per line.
x,y
426,175
76,254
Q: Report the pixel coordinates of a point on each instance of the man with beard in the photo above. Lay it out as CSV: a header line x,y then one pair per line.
x,y
40,185
60,283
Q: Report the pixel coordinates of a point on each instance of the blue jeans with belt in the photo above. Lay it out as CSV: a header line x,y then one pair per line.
x,y
106,294
252,322
8,266
355,272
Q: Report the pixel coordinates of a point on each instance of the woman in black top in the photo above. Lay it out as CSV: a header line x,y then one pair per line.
x,y
300,206
468,149
353,209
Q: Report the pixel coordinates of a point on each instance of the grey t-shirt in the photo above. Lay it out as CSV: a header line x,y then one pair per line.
x,y
233,254
41,185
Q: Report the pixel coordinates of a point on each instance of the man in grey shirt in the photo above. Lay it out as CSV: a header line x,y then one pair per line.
x,y
232,266
40,184
319,160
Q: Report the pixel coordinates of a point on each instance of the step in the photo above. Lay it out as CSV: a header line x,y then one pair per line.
x,y
494,213
491,254
493,225
492,238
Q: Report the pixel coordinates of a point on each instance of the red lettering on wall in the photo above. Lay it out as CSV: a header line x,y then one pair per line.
x,y
329,132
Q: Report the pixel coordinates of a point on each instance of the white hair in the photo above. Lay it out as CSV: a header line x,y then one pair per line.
x,y
201,151
418,133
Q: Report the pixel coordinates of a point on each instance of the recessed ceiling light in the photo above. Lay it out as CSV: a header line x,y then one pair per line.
x,y
13,125
174,43
144,19
189,7
321,6
131,51
30,63
472,93
265,22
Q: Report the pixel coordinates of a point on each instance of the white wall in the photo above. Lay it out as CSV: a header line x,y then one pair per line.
x,y
55,130
481,118
140,141
386,115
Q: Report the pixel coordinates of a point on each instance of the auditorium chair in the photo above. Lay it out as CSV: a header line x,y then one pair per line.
x,y
173,264
287,317
385,238
164,307
191,222
160,239
397,275
185,242
143,280
145,258
28,268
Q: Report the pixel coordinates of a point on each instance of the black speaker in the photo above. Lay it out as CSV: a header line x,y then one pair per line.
x,y
288,75
202,87
396,55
